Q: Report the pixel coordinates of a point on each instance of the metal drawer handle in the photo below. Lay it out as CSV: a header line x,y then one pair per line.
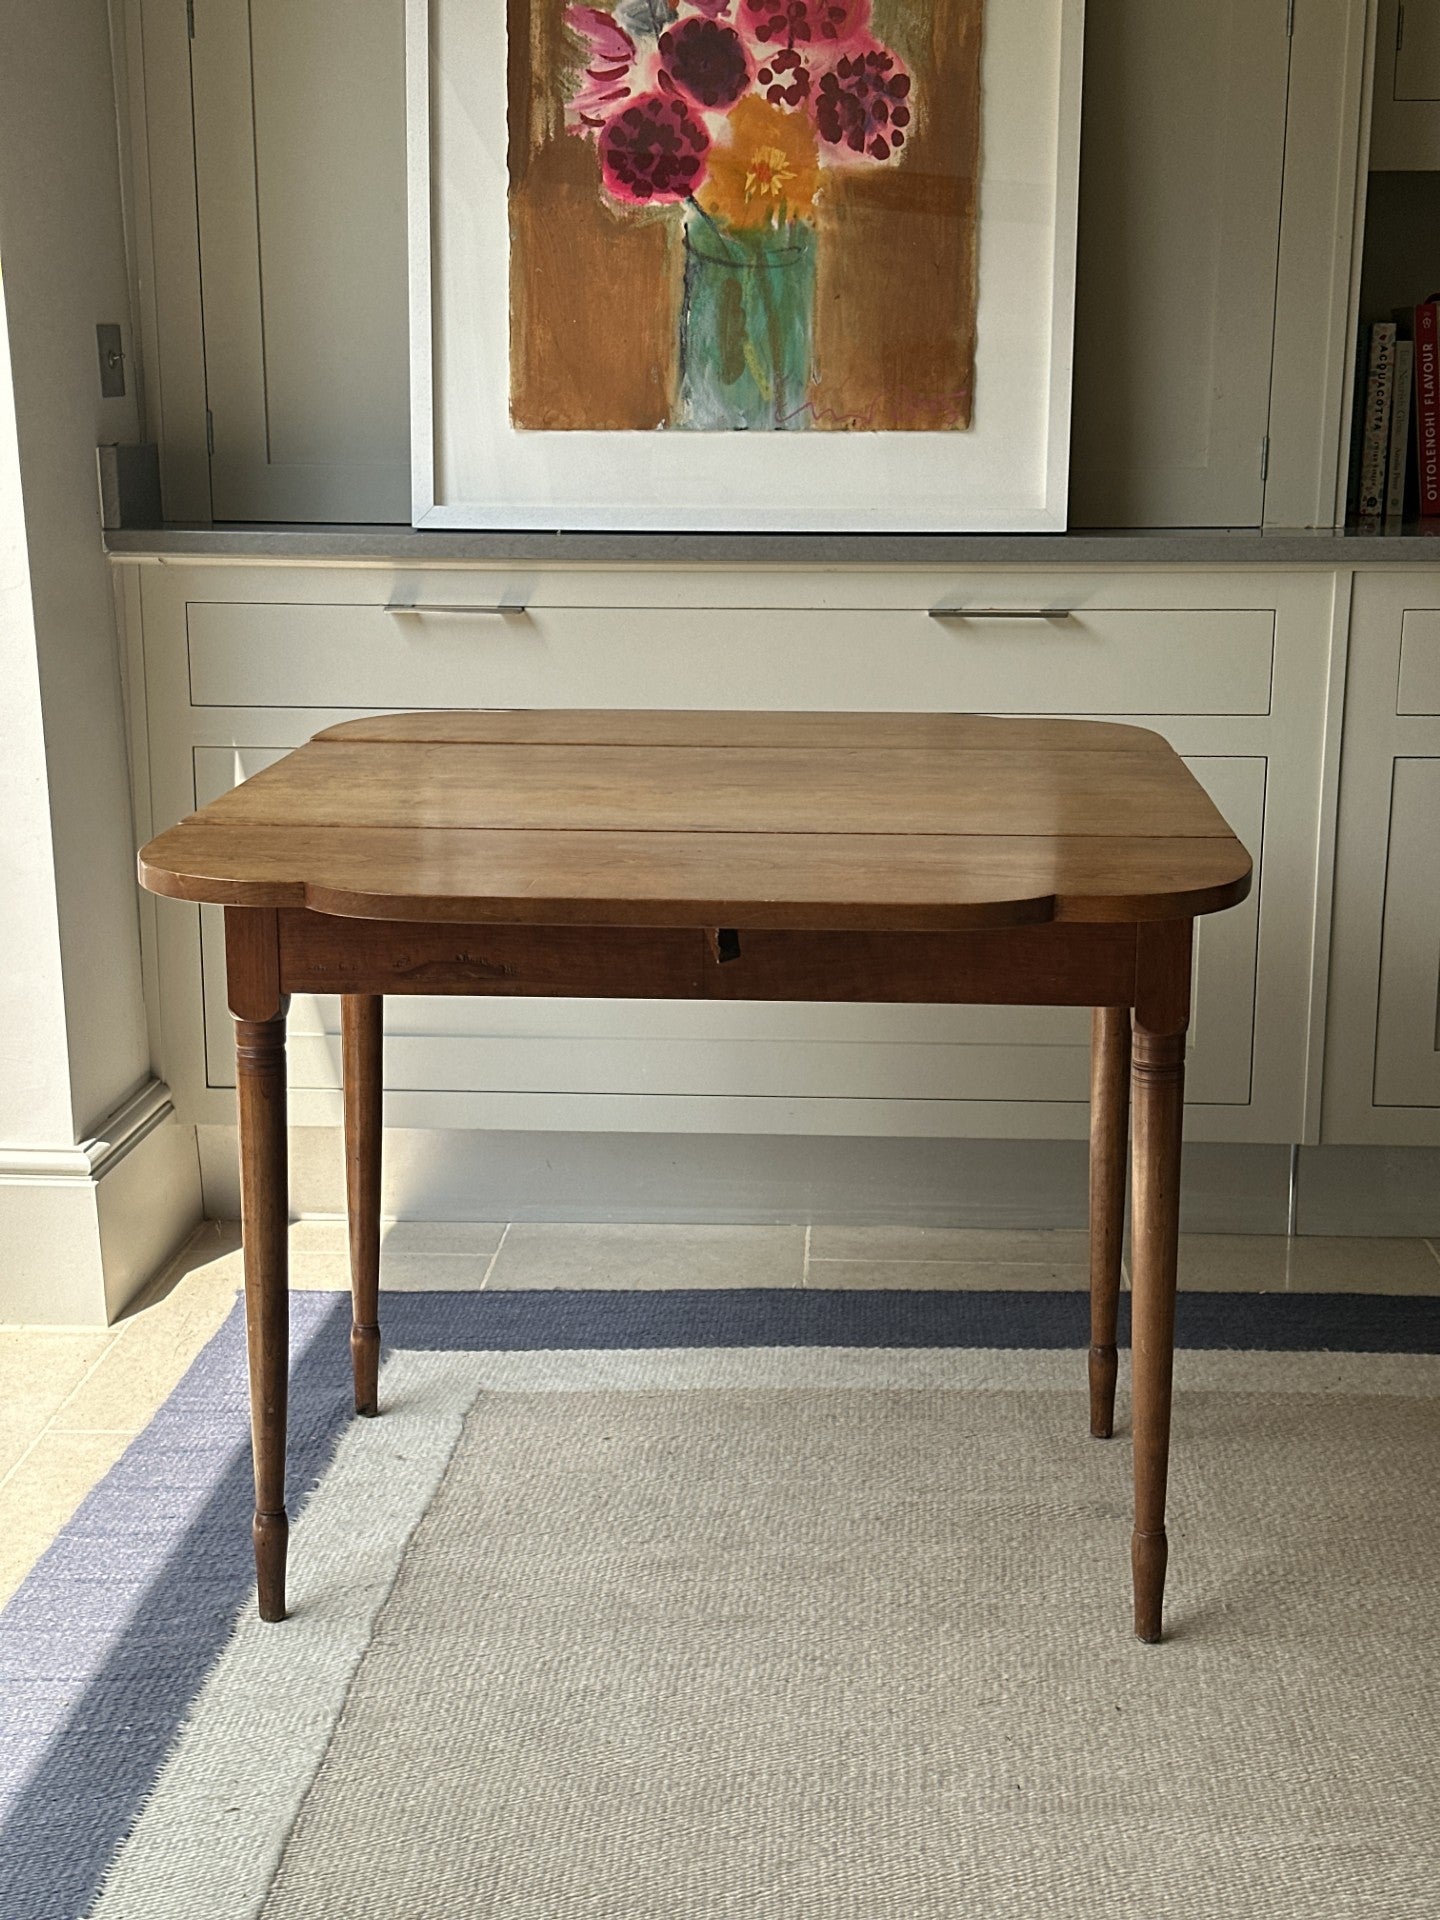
x,y
427,606
1002,613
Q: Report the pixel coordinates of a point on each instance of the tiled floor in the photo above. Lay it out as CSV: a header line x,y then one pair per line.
x,y
71,1401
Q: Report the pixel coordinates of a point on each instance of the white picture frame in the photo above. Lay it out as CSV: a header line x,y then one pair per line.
x,y
1008,472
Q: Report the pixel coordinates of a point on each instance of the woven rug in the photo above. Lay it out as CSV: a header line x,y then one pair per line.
x,y
771,1603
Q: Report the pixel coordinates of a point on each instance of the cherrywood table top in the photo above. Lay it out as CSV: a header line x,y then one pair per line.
x,y
920,822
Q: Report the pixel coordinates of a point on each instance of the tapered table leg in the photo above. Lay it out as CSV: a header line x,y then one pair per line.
x,y
252,961
1109,1138
264,1215
361,1045
1161,1018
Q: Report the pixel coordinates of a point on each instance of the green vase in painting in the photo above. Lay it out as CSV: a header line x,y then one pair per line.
x,y
747,326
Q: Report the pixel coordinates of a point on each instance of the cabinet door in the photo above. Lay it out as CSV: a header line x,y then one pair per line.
x,y
1417,51
1405,132
1382,1055
300,165
1183,153
1407,1030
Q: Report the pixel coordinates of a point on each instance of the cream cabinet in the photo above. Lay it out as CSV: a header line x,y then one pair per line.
x,y
1405,132
240,664
1180,211
300,194
1383,1053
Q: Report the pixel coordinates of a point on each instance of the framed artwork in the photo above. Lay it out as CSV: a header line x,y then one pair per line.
x,y
743,265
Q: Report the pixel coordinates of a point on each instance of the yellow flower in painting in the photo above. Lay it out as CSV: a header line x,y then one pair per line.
x,y
766,169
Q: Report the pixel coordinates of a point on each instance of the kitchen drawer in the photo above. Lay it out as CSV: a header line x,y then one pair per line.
x,y
699,1054
1419,690
1130,660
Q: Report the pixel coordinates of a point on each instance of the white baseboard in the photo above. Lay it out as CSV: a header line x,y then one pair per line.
x,y
455,1175
1370,1190
82,1228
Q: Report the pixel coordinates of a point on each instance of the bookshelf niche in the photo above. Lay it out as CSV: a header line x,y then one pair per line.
x,y
1395,444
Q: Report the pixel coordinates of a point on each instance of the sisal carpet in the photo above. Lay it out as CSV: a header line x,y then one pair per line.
x,y
761,1626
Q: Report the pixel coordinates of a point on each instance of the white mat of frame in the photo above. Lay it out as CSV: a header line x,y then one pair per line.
x,y
818,1632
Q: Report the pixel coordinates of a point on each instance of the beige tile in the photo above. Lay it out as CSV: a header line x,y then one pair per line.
x,y
1363,1266
320,1270
39,1369
1231,1263
198,1305
1269,1263
148,1359
1029,1276
651,1257
318,1236
475,1240
432,1272
314,1266
43,1493
1061,1246
399,1272
209,1259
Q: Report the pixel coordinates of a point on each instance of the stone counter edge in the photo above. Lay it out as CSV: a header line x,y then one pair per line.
x,y
405,546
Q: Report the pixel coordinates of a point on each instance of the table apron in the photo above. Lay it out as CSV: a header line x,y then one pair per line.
x,y
1066,964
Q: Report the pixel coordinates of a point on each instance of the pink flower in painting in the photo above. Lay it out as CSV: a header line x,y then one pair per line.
x,y
653,151
862,102
707,60
805,23
653,78
784,78
609,71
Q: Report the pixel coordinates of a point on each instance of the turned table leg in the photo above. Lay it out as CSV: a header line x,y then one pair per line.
x,y
361,1045
259,1009
1109,1138
1162,1015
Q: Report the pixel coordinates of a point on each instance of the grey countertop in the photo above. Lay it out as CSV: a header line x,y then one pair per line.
x,y
405,546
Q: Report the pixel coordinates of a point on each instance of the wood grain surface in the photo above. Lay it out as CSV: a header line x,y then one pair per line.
x,y
915,822
1109,1141
797,790
1066,966
664,727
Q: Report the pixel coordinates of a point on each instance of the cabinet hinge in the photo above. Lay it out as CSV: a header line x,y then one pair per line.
x,y
1289,18
209,431
1265,458
190,16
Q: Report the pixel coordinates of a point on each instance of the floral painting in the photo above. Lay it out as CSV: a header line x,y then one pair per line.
x,y
744,215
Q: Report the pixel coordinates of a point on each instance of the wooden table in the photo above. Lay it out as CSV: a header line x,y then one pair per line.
x,y
717,856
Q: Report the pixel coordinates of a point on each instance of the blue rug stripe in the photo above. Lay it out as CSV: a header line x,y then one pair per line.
x,y
784,1317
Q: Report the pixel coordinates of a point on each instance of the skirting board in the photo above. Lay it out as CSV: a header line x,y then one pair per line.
x,y
82,1229
729,1179
1370,1190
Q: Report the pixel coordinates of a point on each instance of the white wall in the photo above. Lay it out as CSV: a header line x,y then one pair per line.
x,y
34,1075
75,1045
63,261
